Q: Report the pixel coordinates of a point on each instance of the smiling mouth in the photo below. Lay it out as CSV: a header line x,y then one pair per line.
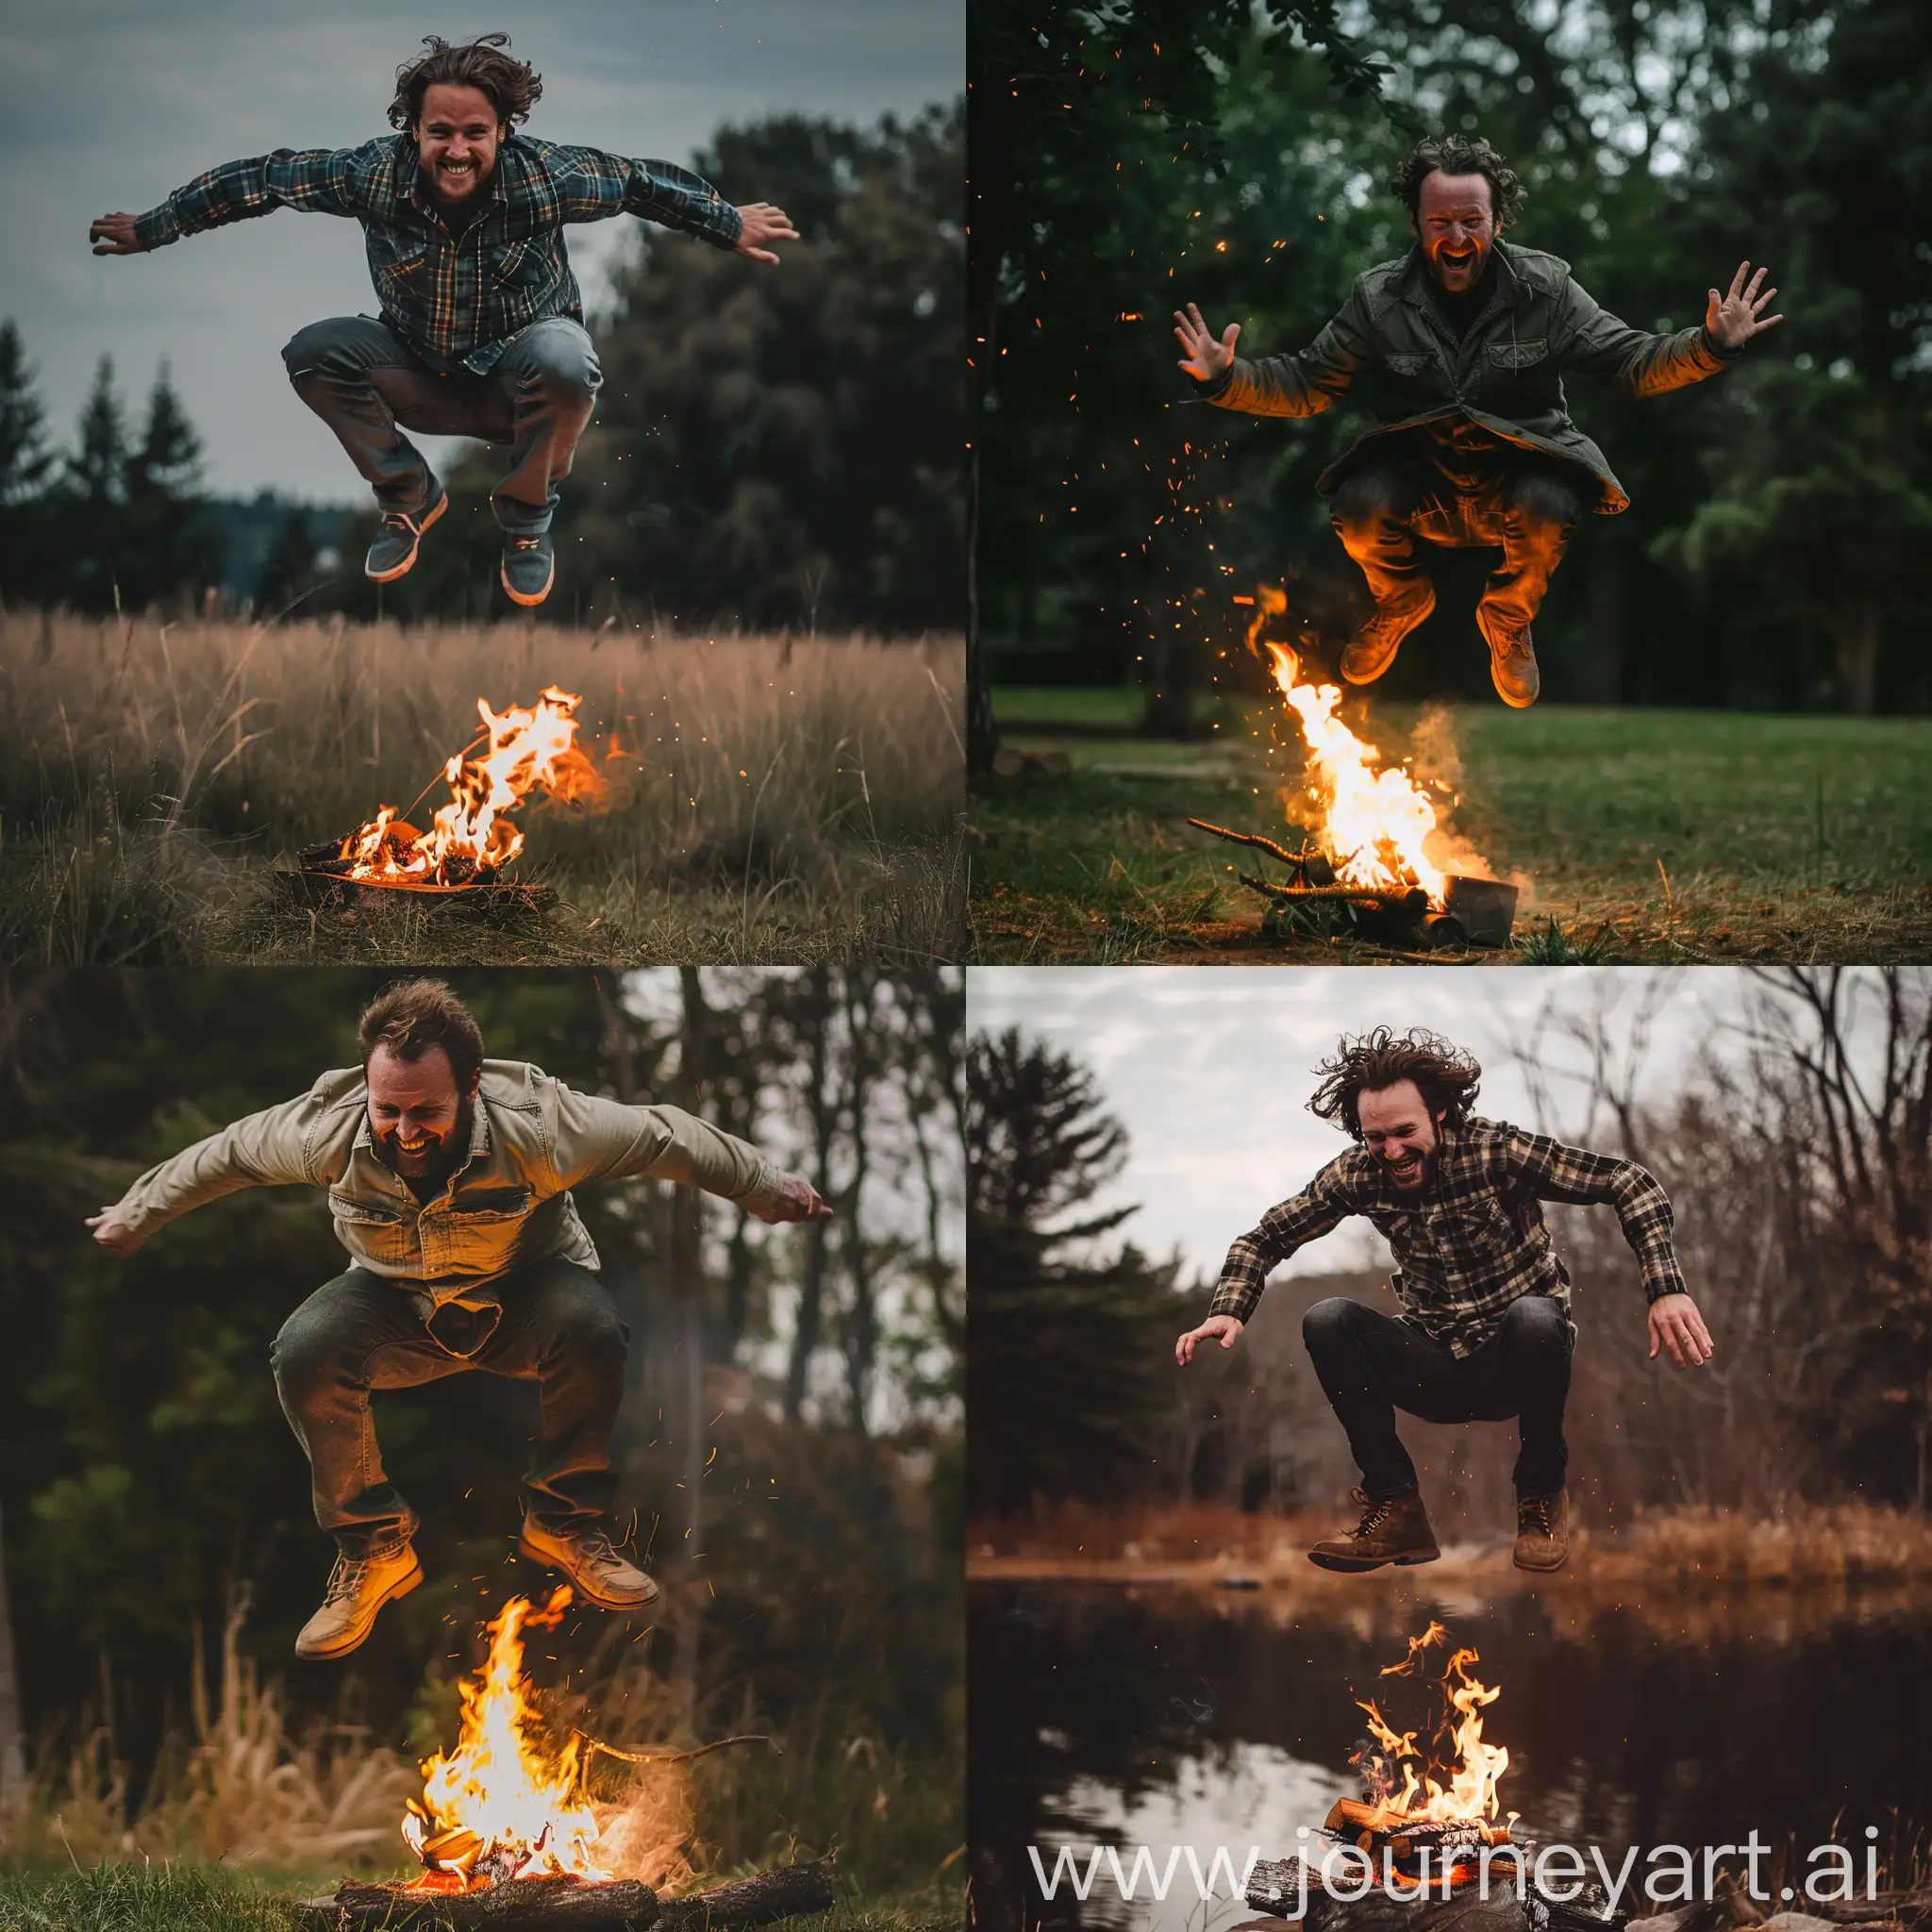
x,y
1406,1167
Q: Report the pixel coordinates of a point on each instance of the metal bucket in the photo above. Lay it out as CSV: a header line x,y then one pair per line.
x,y
1484,908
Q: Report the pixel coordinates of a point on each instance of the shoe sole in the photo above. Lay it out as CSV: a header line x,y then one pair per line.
x,y
518,597
589,1596
408,563
1369,676
402,1587
1355,1565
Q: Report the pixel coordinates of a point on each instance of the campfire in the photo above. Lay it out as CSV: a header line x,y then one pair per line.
x,y
508,1837
473,838
1378,860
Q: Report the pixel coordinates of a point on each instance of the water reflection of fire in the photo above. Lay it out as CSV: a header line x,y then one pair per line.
x,y
1406,1808
532,748
503,1806
1377,819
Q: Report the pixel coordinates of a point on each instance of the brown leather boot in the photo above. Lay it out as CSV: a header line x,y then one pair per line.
x,y
1375,647
357,1590
1396,1531
1512,658
1543,1531
597,1571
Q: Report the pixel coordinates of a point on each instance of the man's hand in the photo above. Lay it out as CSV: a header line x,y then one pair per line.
x,y
1732,322
113,235
798,1200
1677,1328
763,223
113,1233
1224,1328
1207,358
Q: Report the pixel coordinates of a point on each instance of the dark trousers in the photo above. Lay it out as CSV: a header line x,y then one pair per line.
x,y
558,1327
1527,506
1370,1365
368,387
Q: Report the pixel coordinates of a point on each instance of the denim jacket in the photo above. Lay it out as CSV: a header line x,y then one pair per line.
x,y
532,1139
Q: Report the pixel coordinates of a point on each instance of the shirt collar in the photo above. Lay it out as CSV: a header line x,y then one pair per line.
x,y
409,163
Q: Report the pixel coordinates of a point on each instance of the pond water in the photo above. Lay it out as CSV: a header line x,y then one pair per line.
x,y
1197,1718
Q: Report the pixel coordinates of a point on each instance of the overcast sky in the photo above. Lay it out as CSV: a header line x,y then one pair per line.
x,y
113,104
1210,1071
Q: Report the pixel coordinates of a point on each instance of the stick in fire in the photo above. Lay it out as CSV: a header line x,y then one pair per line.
x,y
1458,351
451,1182
481,333
1485,1332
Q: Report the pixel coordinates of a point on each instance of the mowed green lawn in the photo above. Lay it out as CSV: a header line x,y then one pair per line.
x,y
1639,835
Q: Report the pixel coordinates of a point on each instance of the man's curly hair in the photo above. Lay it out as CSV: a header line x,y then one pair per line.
x,y
1444,1076
514,86
1460,153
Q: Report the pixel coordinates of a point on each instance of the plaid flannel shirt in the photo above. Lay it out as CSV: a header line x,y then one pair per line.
x,y
1474,1239
455,295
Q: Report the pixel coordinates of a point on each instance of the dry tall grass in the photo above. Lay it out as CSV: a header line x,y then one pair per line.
x,y
765,797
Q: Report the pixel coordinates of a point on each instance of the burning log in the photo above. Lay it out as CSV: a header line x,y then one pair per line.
x,y
565,1904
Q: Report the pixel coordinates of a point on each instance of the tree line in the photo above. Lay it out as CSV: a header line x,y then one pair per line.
x,y
1798,1162
783,450
1239,157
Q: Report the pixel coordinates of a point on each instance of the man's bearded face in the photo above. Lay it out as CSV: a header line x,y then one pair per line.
x,y
456,134
1399,1130
1456,227
420,1119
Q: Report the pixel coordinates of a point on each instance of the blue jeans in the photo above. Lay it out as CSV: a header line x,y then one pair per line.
x,y
551,1322
368,385
1370,1365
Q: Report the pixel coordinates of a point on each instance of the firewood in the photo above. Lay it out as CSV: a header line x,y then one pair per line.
x,y
790,1891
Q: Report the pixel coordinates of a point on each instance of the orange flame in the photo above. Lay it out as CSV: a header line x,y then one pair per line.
x,y
528,749
501,1806
1471,1790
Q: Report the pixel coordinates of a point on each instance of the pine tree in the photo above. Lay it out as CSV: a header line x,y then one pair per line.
x,y
23,457
97,470
166,547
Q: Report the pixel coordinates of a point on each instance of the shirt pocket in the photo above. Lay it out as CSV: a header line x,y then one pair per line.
x,y
367,1229
516,264
1518,356
1477,1235
1406,364
404,274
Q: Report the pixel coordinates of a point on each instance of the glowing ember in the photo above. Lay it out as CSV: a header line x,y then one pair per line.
x,y
528,750
501,1806
1471,1790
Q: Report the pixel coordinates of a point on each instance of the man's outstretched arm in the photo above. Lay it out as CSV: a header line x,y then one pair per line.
x,y
1554,1172
1301,385
1595,342
264,1150
320,181
592,186
605,1139
1320,1208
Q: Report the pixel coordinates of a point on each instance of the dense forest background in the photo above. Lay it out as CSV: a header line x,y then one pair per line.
x,y
1799,1164
777,450
791,1438
1128,158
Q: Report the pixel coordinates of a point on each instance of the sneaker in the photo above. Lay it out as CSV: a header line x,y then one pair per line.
x,y
1394,1531
1543,1531
357,1590
1512,658
394,552
529,568
596,1571
1375,647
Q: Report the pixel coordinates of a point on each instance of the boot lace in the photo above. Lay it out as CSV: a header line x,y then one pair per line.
x,y
402,521
528,542
345,1580
1373,1515
1536,1514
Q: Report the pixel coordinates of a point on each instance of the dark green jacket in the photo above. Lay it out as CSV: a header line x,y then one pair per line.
x,y
1392,346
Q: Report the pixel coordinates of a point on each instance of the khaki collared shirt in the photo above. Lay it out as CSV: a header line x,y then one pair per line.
x,y
532,1139
1471,1240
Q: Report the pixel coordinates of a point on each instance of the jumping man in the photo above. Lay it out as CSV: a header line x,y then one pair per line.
x,y
1458,351
449,1182
1485,1332
481,333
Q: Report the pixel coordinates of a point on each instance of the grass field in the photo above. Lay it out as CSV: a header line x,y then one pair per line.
x,y
1637,836
766,800
189,1898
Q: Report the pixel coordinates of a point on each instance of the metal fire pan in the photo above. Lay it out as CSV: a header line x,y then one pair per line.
x,y
1484,908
